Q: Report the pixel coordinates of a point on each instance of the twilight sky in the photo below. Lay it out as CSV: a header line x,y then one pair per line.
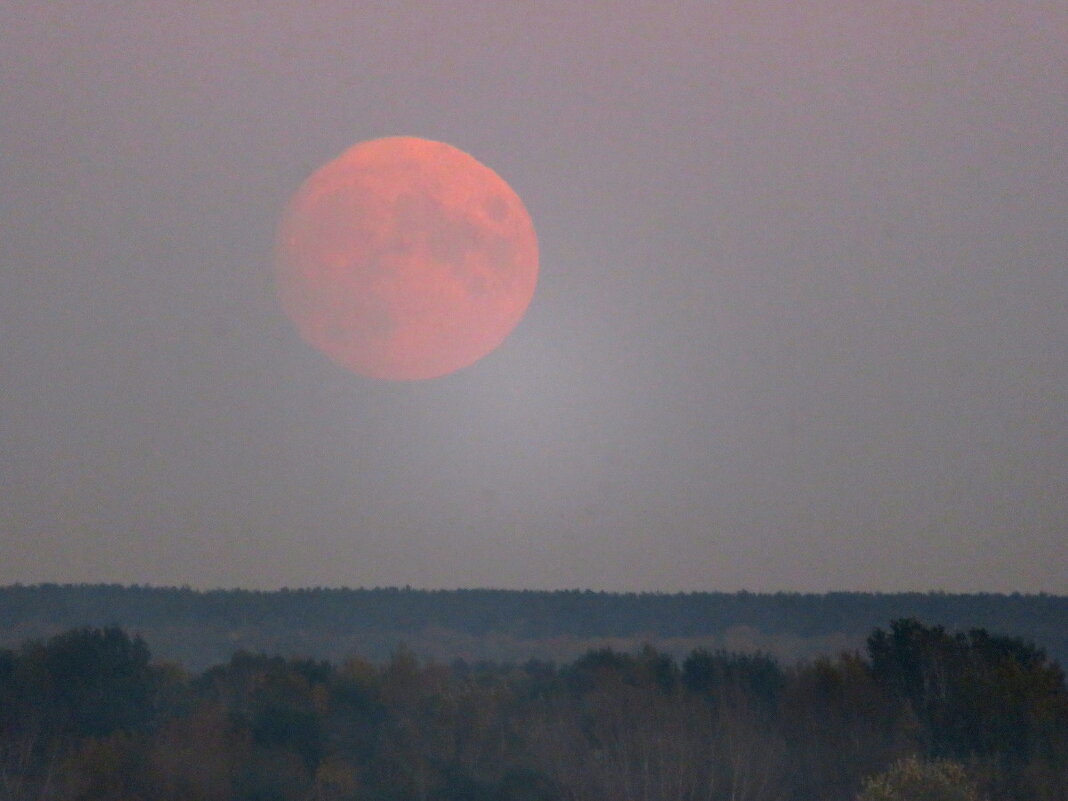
x,y
801,319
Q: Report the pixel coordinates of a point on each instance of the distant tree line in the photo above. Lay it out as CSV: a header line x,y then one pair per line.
x,y
200,629
924,714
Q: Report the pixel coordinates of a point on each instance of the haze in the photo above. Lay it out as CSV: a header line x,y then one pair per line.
x,y
800,323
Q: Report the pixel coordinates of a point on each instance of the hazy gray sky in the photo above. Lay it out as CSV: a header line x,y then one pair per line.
x,y
800,322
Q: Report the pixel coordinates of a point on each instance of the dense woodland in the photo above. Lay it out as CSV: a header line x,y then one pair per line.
x,y
200,629
921,713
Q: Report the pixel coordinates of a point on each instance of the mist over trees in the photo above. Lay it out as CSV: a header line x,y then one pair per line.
x,y
200,629
922,713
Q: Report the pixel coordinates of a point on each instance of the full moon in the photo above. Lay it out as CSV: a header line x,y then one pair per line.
x,y
405,259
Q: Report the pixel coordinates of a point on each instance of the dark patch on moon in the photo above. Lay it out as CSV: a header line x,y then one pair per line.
x,y
424,219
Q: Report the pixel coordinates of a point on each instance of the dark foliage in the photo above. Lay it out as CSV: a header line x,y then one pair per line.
x,y
86,683
86,715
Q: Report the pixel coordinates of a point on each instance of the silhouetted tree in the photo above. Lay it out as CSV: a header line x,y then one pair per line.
x,y
87,682
977,696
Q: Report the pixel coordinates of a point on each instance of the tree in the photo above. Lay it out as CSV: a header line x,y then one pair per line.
x,y
88,682
995,700
841,726
911,779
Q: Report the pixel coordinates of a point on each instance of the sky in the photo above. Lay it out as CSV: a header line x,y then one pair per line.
x,y
799,326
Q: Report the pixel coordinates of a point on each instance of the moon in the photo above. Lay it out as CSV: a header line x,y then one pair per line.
x,y
405,259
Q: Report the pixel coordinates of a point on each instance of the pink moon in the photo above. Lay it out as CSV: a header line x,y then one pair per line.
x,y
405,259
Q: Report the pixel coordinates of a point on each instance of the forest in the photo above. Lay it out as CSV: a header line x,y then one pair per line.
x,y
200,629
920,713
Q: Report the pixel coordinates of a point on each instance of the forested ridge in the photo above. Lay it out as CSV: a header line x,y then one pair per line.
x,y
922,713
201,628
